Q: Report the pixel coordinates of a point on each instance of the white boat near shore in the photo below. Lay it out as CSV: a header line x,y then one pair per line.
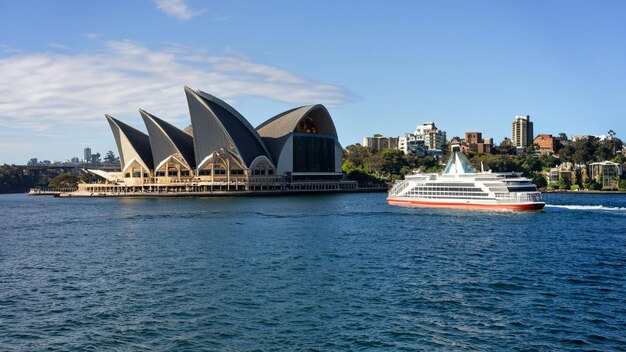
x,y
460,186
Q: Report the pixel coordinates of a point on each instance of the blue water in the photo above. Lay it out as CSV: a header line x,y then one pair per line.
x,y
326,272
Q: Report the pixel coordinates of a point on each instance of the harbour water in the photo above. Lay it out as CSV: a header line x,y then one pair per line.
x,y
319,272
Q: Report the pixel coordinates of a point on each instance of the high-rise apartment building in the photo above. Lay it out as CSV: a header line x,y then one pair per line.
x,y
87,155
522,131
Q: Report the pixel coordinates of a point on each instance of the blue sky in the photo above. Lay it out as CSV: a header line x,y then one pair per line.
x,y
380,67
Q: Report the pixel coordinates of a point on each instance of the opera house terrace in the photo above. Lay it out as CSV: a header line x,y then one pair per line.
x,y
221,153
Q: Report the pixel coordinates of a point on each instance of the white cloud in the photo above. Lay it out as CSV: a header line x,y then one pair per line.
x,y
56,45
92,36
46,91
5,49
177,8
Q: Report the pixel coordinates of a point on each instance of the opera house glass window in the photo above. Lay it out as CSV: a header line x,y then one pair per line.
x,y
307,125
313,153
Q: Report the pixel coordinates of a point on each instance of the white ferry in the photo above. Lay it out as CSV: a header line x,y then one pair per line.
x,y
460,186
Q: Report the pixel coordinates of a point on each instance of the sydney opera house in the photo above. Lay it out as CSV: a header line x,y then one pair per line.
x,y
220,151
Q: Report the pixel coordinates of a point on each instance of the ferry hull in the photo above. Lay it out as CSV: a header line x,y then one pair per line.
x,y
418,203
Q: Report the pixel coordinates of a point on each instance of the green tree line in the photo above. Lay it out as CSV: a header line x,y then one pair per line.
x,y
367,165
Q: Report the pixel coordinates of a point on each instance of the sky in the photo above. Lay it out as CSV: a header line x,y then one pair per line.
x,y
379,67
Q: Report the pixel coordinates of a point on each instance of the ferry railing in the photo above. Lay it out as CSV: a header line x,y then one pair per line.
x,y
398,187
519,198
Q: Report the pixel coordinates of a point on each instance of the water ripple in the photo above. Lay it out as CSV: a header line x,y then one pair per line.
x,y
314,273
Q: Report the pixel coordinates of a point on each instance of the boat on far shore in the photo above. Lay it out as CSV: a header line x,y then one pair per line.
x,y
461,186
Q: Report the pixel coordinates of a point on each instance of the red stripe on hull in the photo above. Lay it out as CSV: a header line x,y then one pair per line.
x,y
479,206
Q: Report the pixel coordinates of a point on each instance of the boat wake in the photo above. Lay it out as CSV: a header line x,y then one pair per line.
x,y
586,207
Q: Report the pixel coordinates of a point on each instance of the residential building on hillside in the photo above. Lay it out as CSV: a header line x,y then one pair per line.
x,y
546,143
379,142
426,140
411,145
522,135
569,172
582,137
474,142
606,173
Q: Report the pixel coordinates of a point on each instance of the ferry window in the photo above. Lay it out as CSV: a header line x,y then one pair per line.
x,y
184,173
236,172
172,173
204,172
220,171
127,174
160,173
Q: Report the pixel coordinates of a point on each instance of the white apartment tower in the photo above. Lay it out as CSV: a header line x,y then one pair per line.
x,y
427,139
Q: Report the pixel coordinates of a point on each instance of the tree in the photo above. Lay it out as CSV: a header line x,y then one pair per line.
x,y
563,184
611,134
15,179
427,162
548,160
566,153
539,181
110,157
388,162
506,147
604,151
592,185
608,148
496,163
584,151
358,155
64,180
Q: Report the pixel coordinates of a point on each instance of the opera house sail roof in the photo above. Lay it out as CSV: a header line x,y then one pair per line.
x,y
220,148
132,144
289,121
167,141
285,133
218,128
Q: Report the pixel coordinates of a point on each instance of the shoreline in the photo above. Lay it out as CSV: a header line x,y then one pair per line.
x,y
216,194
582,192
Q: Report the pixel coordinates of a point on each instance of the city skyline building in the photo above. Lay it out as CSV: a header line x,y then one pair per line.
x,y
522,131
87,155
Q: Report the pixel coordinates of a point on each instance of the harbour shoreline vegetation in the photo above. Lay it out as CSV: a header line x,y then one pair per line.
x,y
390,165
20,179
371,167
